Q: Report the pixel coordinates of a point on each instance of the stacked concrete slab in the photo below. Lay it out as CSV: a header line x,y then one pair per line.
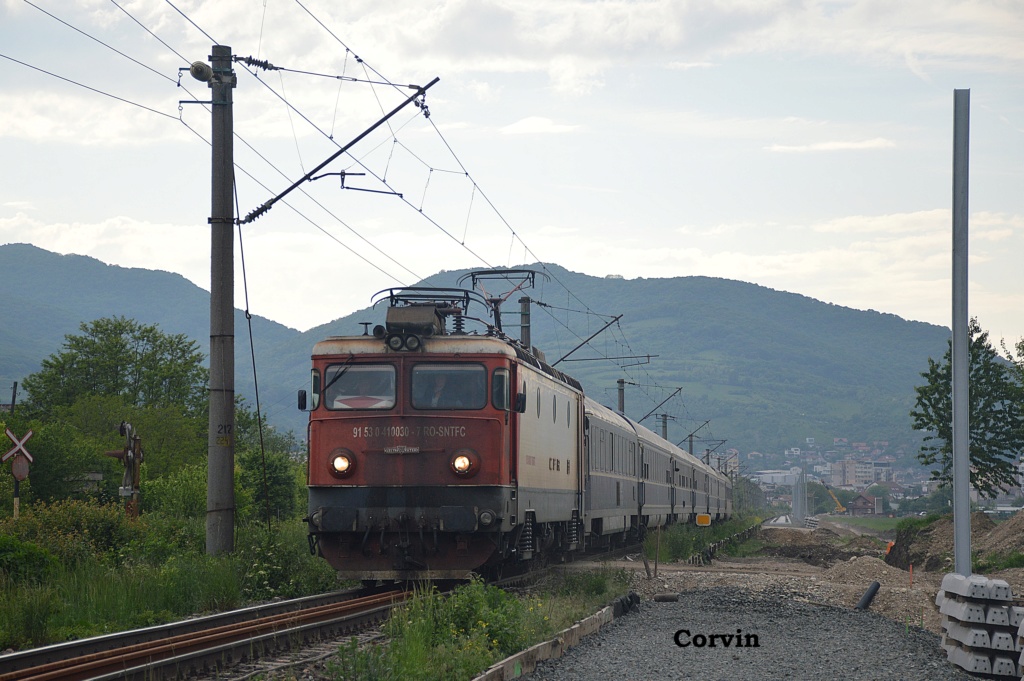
x,y
980,625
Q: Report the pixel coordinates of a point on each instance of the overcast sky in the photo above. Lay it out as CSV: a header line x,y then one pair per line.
x,y
804,146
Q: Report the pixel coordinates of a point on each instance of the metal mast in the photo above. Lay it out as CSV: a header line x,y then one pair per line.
x,y
961,339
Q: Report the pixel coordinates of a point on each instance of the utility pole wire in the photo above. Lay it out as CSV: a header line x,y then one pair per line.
x,y
617,318
267,206
677,391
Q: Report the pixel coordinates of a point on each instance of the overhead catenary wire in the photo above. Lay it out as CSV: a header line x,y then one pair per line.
x,y
87,87
314,223
474,187
94,38
146,29
308,219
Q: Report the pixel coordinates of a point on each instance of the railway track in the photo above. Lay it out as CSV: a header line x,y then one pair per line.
x,y
207,646
202,645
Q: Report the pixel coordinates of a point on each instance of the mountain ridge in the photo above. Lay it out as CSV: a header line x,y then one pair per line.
x,y
769,368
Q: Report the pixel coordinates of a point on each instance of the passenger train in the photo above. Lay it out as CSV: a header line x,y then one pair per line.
x,y
437,453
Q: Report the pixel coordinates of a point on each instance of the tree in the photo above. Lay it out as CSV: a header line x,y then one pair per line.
x,y
266,465
996,416
123,358
62,460
882,491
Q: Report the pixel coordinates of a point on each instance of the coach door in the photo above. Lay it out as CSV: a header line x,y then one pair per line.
x,y
673,478
641,492
693,490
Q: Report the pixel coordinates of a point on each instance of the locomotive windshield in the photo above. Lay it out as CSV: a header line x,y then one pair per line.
x,y
449,386
360,387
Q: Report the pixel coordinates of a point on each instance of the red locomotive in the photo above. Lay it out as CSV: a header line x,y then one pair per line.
x,y
435,453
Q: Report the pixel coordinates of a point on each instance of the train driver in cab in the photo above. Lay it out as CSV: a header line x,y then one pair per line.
x,y
364,390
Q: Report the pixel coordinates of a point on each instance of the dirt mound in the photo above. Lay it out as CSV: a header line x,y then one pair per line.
x,y
823,534
812,554
788,536
930,548
866,544
821,547
1005,538
867,569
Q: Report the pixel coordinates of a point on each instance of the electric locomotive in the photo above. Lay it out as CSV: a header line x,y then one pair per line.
x,y
436,452
420,467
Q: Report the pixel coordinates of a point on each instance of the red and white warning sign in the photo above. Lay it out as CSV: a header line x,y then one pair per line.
x,y
19,467
19,446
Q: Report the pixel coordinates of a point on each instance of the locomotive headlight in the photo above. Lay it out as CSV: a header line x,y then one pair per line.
x,y
412,342
465,462
342,462
395,341
487,517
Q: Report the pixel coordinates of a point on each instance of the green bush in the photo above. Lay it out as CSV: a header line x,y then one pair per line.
x,y
179,494
24,562
74,530
998,561
278,565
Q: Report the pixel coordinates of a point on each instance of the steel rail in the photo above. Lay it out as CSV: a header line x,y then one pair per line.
x,y
248,638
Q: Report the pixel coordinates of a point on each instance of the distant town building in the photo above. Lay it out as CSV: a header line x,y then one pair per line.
x,y
777,477
862,505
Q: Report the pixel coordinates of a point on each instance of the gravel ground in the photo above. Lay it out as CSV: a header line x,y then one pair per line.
x,y
797,640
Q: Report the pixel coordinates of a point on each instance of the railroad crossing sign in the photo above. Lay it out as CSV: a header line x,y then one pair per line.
x,y
19,445
19,467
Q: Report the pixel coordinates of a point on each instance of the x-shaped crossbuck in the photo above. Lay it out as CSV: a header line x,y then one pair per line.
x,y
19,446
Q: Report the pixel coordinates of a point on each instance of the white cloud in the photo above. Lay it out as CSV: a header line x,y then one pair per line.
x,y
924,221
686,66
536,125
876,143
87,119
121,241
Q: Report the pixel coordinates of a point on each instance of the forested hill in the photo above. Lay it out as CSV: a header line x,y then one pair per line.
x,y
768,368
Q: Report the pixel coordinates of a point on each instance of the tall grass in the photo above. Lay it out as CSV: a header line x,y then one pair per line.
x,y
438,638
98,571
680,542
873,524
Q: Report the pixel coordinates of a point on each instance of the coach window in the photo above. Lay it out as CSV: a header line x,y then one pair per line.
x,y
366,386
449,386
500,390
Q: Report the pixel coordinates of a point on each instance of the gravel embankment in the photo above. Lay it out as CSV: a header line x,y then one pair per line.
x,y
796,640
